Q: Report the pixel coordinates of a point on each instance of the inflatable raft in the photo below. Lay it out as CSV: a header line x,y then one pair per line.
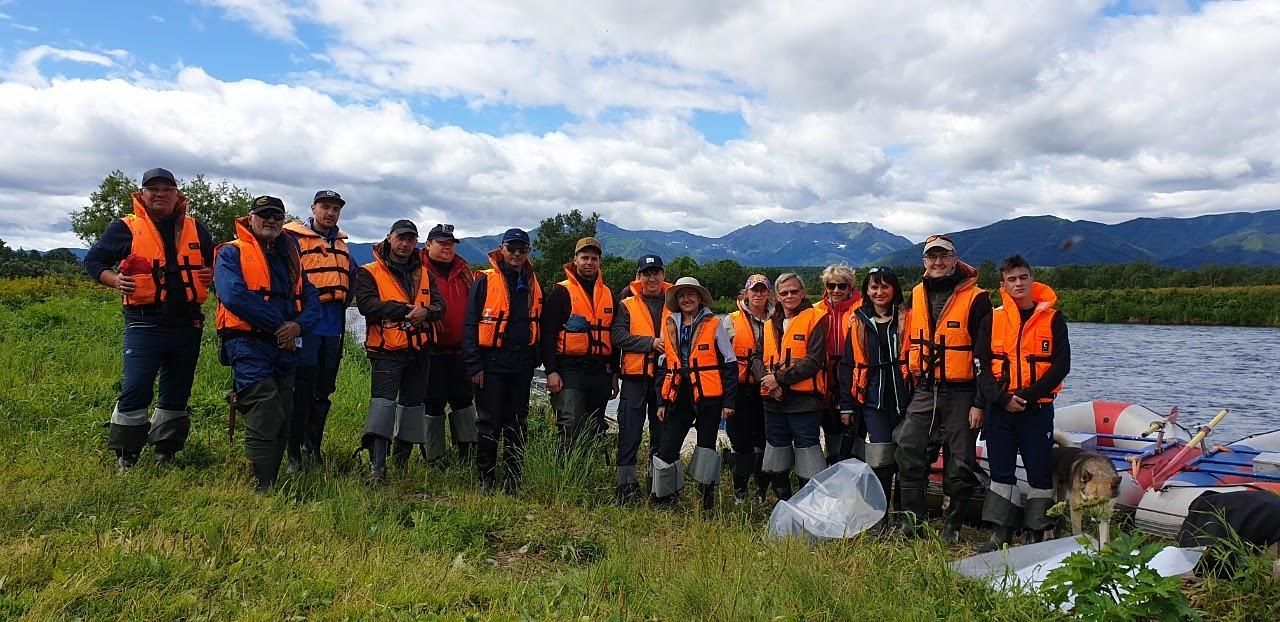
x,y
1163,465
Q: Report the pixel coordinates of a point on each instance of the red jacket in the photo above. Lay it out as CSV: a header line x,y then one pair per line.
x,y
453,288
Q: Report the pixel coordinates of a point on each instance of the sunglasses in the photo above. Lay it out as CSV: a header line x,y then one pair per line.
x,y
831,287
881,271
783,293
517,249
272,216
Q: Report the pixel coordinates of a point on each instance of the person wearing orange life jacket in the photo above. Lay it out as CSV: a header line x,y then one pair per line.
x,y
745,328
499,349
400,304
636,326
265,304
326,263
449,384
577,347
839,300
874,384
165,260
1023,356
947,308
791,367
698,380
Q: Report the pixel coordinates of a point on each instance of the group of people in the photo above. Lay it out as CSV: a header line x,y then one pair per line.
x,y
797,385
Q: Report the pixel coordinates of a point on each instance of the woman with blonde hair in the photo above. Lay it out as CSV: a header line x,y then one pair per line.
x,y
840,297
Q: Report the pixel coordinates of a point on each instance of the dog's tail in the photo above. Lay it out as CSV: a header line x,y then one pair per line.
x,y
1061,439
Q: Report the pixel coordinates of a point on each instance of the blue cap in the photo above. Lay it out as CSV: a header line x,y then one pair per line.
x,y
158,173
649,262
515,235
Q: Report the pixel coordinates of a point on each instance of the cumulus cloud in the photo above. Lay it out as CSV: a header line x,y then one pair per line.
x,y
917,118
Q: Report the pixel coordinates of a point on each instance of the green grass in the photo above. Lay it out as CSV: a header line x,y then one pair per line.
x,y
195,543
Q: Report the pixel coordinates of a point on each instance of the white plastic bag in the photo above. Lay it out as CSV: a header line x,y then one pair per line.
x,y
842,501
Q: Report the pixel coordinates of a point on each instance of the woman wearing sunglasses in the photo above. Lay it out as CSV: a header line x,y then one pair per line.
x,y
839,299
874,388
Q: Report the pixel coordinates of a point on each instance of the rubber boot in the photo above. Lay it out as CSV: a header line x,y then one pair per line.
x,y
124,462
762,478
708,497
952,521
912,506
168,433
378,447
782,486
465,451
400,453
127,441
628,493
1034,536
999,539
740,485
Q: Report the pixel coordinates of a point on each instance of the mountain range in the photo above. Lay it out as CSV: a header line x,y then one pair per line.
x,y
1240,238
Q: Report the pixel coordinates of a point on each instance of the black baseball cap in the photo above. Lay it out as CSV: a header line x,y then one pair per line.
x,y
649,262
266,203
403,226
158,173
442,233
329,196
517,236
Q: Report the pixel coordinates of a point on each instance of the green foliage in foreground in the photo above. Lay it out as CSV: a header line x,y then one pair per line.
x,y
193,542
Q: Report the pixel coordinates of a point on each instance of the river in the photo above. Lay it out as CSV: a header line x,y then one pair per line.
x,y
1195,368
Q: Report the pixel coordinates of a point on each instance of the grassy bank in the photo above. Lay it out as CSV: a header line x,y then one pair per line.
x,y
1214,306
193,542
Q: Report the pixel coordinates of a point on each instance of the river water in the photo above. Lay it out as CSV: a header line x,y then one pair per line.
x,y
1199,369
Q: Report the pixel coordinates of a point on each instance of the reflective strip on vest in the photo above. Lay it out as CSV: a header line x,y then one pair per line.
x,y
782,351
1026,348
393,336
257,276
327,268
946,355
149,288
495,317
705,362
598,310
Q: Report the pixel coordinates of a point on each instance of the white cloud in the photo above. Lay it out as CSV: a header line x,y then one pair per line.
x,y
25,27
25,68
270,17
916,118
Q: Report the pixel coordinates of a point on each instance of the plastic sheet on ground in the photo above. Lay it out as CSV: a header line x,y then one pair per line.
x,y
1025,567
843,500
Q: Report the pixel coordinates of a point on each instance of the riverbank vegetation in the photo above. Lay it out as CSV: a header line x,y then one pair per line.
x,y
193,542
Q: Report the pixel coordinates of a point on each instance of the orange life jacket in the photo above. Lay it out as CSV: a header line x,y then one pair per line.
x,y
862,368
392,336
705,362
496,315
839,322
943,352
744,343
638,364
598,310
1022,353
149,288
257,276
327,268
781,351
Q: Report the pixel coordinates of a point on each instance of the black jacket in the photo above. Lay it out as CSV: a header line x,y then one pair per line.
x,y
515,356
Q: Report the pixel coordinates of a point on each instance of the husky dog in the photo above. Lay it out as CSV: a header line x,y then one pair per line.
x,y
1086,480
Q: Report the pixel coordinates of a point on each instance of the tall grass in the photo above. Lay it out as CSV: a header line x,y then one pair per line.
x,y
194,542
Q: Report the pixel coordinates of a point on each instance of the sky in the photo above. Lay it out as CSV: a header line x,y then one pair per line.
x,y
916,116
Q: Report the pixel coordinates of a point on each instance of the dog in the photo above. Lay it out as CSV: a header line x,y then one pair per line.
x,y
1087,481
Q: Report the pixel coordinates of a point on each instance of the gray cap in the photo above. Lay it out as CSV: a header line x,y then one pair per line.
x,y
403,226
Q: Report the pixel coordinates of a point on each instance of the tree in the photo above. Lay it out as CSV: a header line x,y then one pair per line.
x,y
554,241
215,206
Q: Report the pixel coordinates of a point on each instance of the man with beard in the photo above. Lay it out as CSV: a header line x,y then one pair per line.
x,y
400,303
577,346
264,307
326,262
